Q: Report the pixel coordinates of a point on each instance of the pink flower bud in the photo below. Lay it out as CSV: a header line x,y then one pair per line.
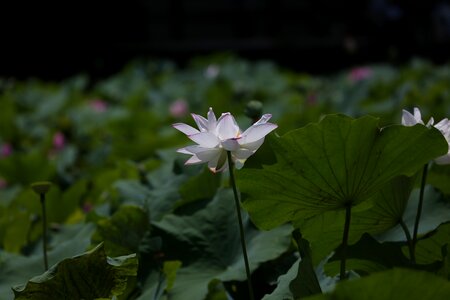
x,y
6,150
98,105
59,141
3,183
179,108
359,73
87,207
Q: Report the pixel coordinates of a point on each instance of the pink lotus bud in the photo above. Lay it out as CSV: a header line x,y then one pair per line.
x,y
3,183
87,207
360,73
59,141
6,150
179,108
98,105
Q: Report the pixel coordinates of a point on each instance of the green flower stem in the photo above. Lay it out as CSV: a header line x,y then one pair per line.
x,y
348,213
419,206
158,287
412,256
241,226
44,230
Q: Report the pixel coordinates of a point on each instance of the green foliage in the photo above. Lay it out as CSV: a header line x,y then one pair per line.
x,y
26,168
118,180
338,162
210,240
123,232
16,269
392,284
200,187
434,246
306,282
89,276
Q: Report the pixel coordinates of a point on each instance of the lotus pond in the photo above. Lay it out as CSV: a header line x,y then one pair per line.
x,y
343,194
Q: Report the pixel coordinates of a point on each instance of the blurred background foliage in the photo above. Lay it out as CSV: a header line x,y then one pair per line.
x,y
109,148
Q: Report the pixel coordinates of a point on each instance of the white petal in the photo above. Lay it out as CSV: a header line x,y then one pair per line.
x,y
184,128
230,144
418,115
227,127
219,163
223,115
256,132
443,160
253,146
243,153
408,119
264,119
205,139
444,126
430,122
212,121
193,161
196,149
184,150
201,122
239,163
208,155
205,155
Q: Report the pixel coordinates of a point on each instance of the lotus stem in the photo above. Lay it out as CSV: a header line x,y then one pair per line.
x,y
419,206
44,230
348,213
412,256
41,188
241,226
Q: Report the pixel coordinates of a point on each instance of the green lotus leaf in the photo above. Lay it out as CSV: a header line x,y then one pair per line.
x,y
16,269
89,276
124,231
329,165
211,246
398,284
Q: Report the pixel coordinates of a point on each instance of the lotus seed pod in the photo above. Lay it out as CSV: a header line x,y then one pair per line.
x,y
41,187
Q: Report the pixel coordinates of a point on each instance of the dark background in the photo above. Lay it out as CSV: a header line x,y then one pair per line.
x,y
56,40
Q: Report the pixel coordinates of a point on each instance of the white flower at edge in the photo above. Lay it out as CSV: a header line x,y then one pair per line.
x,y
216,136
443,126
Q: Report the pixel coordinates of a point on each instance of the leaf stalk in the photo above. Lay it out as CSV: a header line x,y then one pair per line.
x,y
419,206
412,255
44,230
348,213
241,225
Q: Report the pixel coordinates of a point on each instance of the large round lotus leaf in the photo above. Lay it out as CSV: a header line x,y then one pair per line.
x,y
337,162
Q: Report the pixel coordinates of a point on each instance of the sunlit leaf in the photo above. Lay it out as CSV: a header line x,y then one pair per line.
x,y
338,162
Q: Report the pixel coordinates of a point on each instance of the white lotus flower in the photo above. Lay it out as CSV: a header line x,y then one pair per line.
x,y
215,137
409,119
443,126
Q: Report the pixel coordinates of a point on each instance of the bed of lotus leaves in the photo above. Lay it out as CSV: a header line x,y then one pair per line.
x,y
128,220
